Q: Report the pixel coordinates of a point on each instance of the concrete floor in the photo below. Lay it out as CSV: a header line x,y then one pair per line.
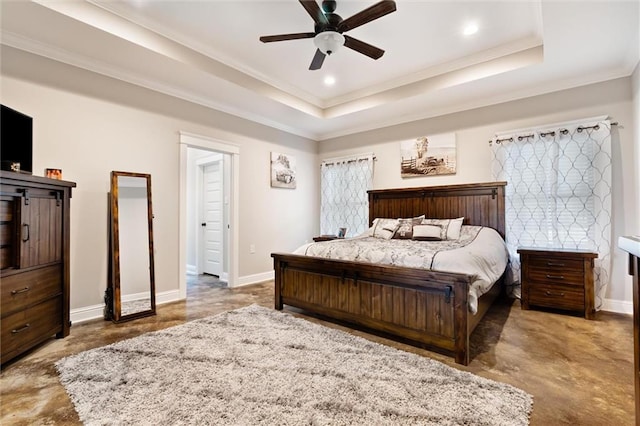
x,y
579,371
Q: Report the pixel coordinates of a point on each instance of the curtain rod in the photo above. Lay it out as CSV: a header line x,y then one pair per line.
x,y
563,131
350,158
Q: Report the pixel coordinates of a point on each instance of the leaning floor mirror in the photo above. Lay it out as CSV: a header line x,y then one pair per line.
x,y
131,289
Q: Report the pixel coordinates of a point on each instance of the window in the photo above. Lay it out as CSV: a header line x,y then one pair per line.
x,y
344,201
558,192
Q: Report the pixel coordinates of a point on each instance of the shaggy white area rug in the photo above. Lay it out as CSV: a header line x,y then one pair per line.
x,y
260,366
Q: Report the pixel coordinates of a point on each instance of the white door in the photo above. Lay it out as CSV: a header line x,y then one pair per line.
x,y
212,223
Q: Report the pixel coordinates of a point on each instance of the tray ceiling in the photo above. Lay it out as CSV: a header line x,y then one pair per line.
x,y
208,52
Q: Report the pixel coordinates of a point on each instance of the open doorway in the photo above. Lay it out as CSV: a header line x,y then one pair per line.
x,y
208,213
208,195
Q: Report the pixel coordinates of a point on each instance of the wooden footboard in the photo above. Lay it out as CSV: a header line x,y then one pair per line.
x,y
427,307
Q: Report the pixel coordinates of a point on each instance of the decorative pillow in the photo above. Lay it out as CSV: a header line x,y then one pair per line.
x,y
427,233
450,227
373,226
384,228
405,229
453,232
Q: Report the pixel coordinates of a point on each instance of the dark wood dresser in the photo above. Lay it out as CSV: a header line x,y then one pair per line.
x,y
631,245
34,258
558,279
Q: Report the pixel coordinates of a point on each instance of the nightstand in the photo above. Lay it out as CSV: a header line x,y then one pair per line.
x,y
325,238
559,279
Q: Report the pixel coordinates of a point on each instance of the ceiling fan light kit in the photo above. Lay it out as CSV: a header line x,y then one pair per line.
x,y
329,28
328,41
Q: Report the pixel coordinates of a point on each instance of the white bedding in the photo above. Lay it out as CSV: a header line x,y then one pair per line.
x,y
479,252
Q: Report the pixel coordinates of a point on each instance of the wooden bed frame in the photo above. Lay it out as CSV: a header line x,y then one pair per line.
x,y
429,308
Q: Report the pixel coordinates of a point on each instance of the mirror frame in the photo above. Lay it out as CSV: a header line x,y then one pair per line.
x,y
113,295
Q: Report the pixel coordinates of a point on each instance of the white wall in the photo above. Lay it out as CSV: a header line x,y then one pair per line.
x,y
474,128
88,125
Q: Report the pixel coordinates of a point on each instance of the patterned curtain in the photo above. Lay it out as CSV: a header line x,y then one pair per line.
x,y
558,192
344,201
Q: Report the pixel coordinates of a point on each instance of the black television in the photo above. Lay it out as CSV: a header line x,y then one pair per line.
x,y
16,140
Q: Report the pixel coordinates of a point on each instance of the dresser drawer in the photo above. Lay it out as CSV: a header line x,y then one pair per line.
x,y
18,291
30,327
557,296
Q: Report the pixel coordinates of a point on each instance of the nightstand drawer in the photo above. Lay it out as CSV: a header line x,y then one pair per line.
x,y
556,264
557,296
559,277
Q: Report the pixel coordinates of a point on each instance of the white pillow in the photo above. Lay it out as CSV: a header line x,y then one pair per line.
x,y
453,232
427,233
384,228
450,227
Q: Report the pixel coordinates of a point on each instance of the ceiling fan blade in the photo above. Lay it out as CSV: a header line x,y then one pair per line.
x,y
362,47
314,11
283,37
369,14
318,59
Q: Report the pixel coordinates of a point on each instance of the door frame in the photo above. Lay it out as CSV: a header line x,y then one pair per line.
x,y
215,145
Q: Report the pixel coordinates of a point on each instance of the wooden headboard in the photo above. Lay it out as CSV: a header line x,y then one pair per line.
x,y
479,203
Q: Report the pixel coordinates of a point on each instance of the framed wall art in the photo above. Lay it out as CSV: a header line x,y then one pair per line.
x,y
428,155
283,171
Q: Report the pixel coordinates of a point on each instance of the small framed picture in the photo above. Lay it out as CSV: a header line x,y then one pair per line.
x,y
283,171
342,232
53,173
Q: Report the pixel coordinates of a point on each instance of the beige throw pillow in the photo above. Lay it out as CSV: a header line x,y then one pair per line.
x,y
384,228
450,227
427,232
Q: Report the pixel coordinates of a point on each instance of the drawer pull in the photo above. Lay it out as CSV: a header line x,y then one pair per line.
x,y
22,290
550,294
554,264
18,330
555,277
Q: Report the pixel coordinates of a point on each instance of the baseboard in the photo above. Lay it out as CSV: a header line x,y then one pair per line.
x,y
618,306
192,270
255,278
88,313
168,296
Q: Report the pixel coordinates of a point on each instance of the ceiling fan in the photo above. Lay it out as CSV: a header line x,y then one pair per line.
x,y
329,28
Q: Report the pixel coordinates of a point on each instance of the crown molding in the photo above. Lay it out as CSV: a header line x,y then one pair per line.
x,y
79,61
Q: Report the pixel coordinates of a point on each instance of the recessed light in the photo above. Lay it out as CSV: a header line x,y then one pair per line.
x,y
329,80
470,29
